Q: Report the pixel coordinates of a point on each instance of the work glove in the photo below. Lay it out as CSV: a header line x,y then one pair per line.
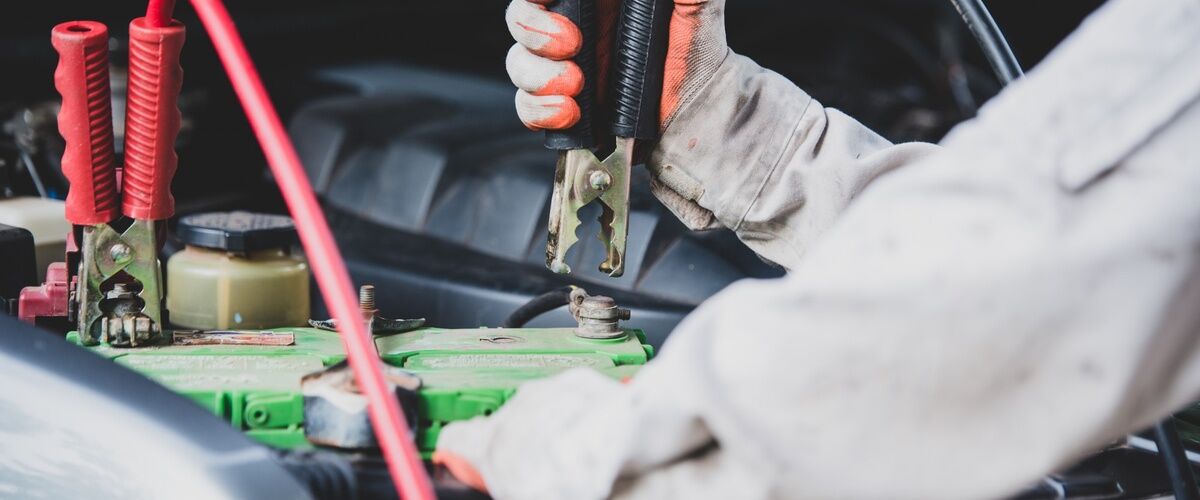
x,y
547,80
741,147
540,65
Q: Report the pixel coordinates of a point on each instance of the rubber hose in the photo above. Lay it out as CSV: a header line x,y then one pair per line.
x,y
1174,455
538,306
995,48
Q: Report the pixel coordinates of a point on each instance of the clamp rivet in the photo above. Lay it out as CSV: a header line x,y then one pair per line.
x,y
120,253
600,181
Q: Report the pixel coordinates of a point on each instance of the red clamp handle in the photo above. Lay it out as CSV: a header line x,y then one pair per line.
x,y
85,121
152,119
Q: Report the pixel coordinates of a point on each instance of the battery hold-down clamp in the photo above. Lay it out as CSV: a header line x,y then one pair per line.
x,y
119,293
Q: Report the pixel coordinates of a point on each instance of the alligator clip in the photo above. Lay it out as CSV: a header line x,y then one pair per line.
x,y
580,177
119,295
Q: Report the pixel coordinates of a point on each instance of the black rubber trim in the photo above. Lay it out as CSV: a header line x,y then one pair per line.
x,y
1174,455
995,47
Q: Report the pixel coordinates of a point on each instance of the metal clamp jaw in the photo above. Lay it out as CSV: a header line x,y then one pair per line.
x,y
580,178
638,57
120,294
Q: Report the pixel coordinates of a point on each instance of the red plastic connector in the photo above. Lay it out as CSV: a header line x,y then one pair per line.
x,y
47,300
85,121
152,119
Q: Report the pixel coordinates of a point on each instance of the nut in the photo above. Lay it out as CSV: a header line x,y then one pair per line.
x,y
598,316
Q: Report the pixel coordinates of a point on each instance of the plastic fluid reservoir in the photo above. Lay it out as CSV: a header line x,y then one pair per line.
x,y
237,272
44,218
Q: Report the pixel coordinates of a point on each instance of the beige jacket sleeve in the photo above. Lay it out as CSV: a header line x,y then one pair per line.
x,y
754,153
972,321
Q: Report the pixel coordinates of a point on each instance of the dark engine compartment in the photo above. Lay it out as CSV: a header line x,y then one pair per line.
x,y
436,193
440,197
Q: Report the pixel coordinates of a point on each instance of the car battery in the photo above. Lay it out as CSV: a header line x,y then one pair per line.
x,y
252,379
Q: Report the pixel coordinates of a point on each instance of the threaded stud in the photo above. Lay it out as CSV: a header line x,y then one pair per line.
x,y
366,297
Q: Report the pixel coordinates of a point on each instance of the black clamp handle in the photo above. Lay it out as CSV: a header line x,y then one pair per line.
x,y
580,136
641,52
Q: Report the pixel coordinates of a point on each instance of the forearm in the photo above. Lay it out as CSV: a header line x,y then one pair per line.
x,y
754,153
974,321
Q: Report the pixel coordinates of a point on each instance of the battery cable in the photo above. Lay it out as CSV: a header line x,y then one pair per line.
x,y
388,421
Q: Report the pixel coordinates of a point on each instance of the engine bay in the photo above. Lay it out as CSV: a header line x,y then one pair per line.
x,y
437,198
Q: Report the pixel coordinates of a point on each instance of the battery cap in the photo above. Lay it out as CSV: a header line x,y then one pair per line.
x,y
238,232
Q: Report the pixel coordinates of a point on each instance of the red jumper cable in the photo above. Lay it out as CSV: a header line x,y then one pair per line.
x,y
391,428
159,13
118,263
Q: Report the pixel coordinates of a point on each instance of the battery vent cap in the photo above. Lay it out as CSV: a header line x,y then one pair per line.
x,y
237,232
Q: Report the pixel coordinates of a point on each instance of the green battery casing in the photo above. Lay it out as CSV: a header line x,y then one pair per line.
x,y
465,373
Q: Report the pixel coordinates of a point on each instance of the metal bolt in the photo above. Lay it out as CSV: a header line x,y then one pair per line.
x,y
600,181
119,291
366,297
599,302
598,316
120,253
376,324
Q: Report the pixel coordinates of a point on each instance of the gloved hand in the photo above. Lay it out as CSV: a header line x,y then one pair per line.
x,y
540,66
460,468
741,147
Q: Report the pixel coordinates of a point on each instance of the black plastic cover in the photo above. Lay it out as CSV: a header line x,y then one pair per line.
x,y
18,267
76,425
439,197
237,231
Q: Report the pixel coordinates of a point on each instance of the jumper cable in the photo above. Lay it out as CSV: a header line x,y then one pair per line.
x,y
391,428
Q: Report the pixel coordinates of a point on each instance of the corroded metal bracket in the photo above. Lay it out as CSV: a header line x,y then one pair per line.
x,y
376,324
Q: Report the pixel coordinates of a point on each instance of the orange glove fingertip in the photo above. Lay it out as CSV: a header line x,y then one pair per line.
x,y
562,44
565,116
460,468
567,83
